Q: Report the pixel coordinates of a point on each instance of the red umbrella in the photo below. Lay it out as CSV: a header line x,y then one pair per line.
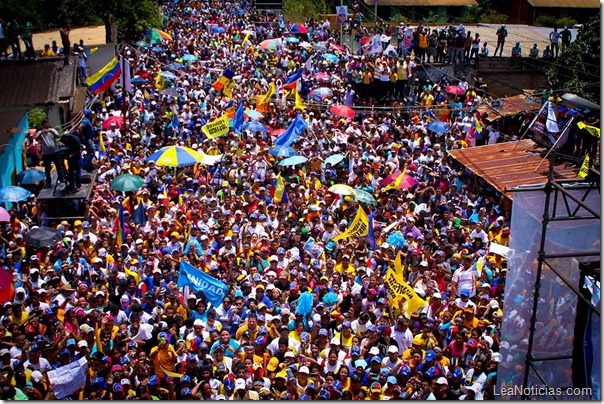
x,y
343,111
298,29
455,90
119,122
7,290
277,132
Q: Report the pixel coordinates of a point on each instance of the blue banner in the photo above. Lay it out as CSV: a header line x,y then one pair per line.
x,y
292,133
213,289
238,120
370,237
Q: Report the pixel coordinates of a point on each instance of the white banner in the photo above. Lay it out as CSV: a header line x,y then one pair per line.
x,y
68,379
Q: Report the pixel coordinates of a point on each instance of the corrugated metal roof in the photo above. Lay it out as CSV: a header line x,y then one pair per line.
x,y
423,3
510,164
28,83
509,106
565,3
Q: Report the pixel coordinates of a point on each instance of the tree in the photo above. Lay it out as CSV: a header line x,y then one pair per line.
x,y
577,69
302,10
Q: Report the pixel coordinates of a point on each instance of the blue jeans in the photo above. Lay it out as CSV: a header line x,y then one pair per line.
x,y
74,175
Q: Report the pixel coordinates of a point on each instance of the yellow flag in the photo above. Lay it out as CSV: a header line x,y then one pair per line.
x,y
265,99
593,130
147,95
245,39
298,104
216,128
93,50
584,167
160,82
396,183
398,288
398,265
359,226
227,90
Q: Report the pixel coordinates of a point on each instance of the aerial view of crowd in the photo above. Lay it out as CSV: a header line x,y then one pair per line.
x,y
319,245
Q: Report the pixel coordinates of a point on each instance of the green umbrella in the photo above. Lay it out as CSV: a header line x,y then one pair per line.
x,y
127,182
364,197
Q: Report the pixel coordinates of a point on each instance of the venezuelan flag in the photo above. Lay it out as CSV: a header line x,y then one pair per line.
x,y
280,195
120,226
223,80
477,128
102,148
292,81
102,80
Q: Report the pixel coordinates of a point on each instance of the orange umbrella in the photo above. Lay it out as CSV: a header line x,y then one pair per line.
x,y
343,111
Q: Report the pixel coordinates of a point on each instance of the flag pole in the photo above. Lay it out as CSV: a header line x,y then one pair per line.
x,y
530,125
566,127
125,103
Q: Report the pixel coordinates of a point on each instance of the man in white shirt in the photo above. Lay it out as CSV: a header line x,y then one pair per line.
x,y
402,335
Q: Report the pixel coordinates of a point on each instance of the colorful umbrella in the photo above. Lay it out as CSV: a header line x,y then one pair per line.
x,y
30,176
293,160
13,194
292,39
364,197
283,151
162,34
270,44
7,289
298,29
455,90
305,44
322,76
252,113
254,126
343,111
4,215
42,237
342,189
277,132
175,156
321,93
330,57
333,159
320,47
438,127
127,182
118,120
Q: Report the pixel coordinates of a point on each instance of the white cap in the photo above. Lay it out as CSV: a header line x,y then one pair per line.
x,y
271,273
4,351
494,304
82,344
304,369
240,384
290,354
334,341
497,357
442,380
423,264
197,322
374,351
392,349
437,295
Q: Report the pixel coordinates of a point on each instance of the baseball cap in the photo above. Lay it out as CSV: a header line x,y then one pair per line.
x,y
240,384
430,355
376,387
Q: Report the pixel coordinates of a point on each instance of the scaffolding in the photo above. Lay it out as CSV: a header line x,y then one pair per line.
x,y
547,289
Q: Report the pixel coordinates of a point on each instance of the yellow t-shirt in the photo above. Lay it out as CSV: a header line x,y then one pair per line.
x,y
163,359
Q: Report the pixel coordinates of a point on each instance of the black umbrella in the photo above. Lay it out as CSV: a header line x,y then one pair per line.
x,y
42,237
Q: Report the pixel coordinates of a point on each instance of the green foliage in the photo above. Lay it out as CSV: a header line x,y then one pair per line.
x,y
565,22
473,13
36,116
434,18
136,16
493,17
577,69
545,21
302,10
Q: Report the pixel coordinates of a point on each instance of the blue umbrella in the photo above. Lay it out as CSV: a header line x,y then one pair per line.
x,y
138,80
252,113
283,151
438,127
330,57
292,39
175,66
13,194
333,160
218,30
168,75
157,48
293,160
30,176
189,58
254,126
396,239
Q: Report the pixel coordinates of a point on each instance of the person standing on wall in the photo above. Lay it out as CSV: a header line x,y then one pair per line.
x,y
502,33
66,43
48,137
554,39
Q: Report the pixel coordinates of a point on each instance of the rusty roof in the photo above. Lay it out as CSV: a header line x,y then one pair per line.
x,y
423,3
30,83
508,165
565,3
510,106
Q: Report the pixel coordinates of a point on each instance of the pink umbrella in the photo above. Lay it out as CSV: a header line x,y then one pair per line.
x,y
455,90
4,215
321,76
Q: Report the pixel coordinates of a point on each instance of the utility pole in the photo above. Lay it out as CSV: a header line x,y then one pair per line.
x,y
375,11
341,24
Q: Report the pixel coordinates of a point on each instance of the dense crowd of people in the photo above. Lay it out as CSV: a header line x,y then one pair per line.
x,y
108,291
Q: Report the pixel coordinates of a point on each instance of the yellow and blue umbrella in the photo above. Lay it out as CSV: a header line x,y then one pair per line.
x,y
175,156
